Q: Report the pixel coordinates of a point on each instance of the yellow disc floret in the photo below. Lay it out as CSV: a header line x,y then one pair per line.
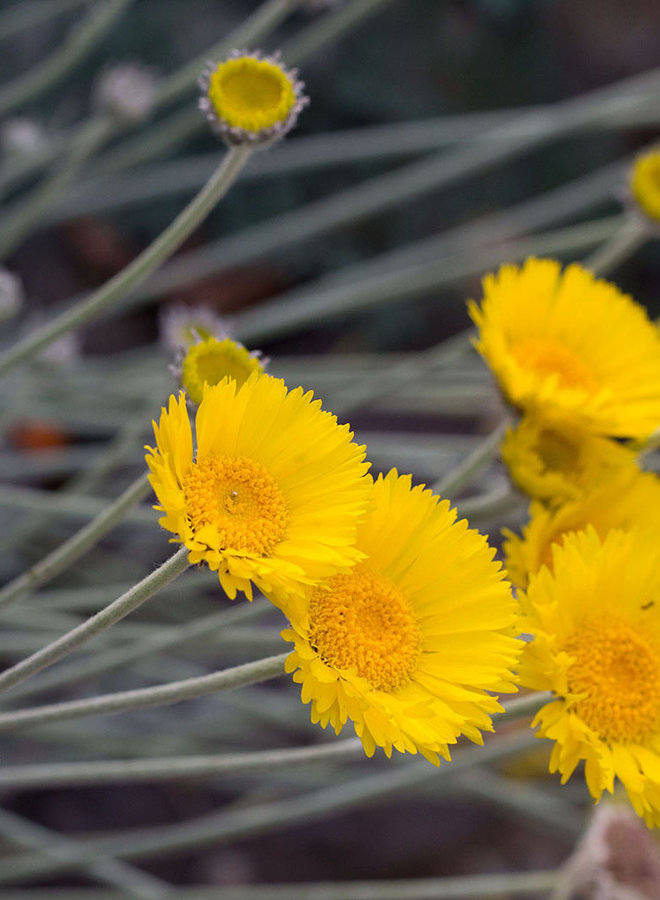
x,y
645,183
362,622
211,360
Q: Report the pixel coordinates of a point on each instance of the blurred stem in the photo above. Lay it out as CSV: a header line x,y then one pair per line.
x,y
47,74
123,771
22,16
68,505
492,505
142,698
328,29
633,233
70,551
117,610
271,817
521,707
135,273
131,881
454,482
27,211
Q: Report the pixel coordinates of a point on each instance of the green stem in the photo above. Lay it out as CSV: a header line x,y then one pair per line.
x,y
328,29
16,224
223,827
121,607
521,707
631,236
164,245
491,506
131,881
70,551
123,771
55,68
142,698
22,16
454,482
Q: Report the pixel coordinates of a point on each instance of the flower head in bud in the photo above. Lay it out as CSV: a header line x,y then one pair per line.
x,y
210,361
251,99
182,326
21,136
12,296
645,184
127,91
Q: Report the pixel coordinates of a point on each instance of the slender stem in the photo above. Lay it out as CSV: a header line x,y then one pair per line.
x,y
458,887
329,28
521,707
490,506
54,68
66,504
22,16
121,607
632,235
142,698
16,224
230,825
123,771
454,482
131,881
140,268
77,545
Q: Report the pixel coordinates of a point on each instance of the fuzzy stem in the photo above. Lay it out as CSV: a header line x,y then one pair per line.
x,y
135,273
121,607
71,550
83,39
142,698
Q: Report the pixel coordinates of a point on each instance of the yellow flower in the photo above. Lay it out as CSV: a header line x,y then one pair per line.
x,y
556,465
411,642
595,622
571,347
211,360
250,99
274,493
645,183
629,500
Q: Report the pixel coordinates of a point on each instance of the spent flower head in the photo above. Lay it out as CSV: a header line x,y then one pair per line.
x,y
127,91
251,99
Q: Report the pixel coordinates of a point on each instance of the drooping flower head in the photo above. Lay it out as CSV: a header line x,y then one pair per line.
x,y
410,643
571,347
645,184
557,465
211,360
251,99
629,500
595,622
274,492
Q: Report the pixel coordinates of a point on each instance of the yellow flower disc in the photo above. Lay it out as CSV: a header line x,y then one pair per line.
x,y
274,492
645,183
211,360
411,643
251,94
630,499
595,623
571,348
557,465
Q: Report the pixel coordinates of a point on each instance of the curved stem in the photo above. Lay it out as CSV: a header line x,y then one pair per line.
x,y
57,66
140,268
71,550
22,16
631,236
121,607
454,482
142,698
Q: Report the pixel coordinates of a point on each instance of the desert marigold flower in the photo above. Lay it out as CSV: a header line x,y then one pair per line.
x,y
572,347
251,99
274,492
410,644
627,501
595,622
556,465
211,360
645,183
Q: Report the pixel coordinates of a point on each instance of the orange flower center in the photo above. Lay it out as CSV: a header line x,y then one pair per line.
x,y
240,499
362,622
547,358
618,671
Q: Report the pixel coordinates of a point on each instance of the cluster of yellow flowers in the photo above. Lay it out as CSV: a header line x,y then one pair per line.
x,y
581,361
